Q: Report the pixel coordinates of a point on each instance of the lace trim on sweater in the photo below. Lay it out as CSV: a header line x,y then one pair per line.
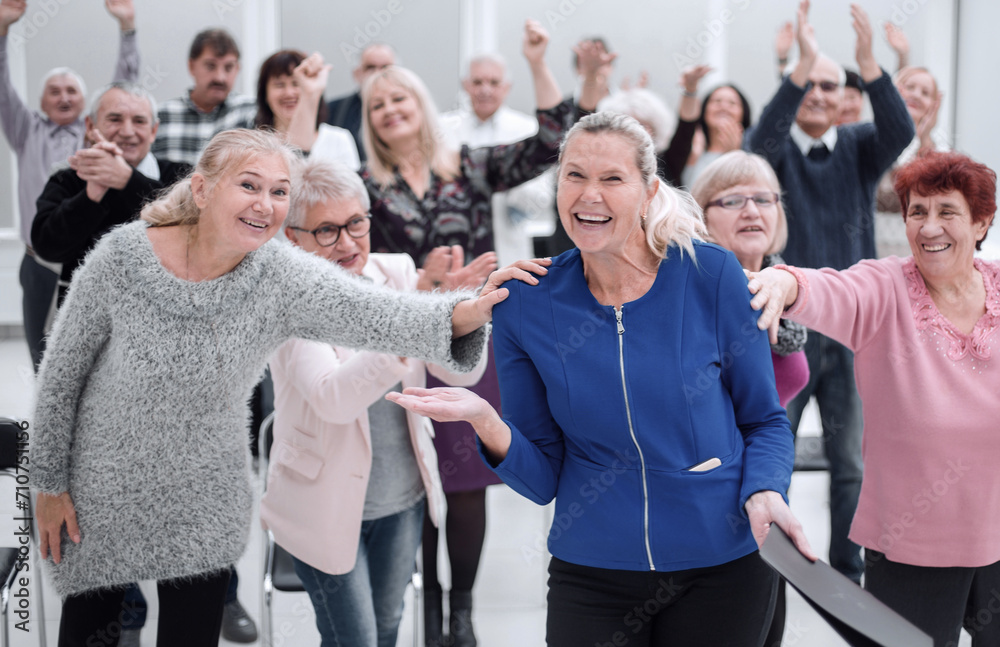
x,y
929,318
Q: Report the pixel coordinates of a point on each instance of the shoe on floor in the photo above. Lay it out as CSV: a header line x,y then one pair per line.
x,y
237,626
129,638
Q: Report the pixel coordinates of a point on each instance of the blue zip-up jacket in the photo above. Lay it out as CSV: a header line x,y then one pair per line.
x,y
609,419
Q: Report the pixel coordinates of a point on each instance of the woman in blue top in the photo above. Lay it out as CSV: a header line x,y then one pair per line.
x,y
638,393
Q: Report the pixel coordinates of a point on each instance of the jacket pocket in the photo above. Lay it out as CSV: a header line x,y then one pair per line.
x,y
297,459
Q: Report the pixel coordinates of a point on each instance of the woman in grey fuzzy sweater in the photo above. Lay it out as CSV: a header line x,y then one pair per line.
x,y
142,404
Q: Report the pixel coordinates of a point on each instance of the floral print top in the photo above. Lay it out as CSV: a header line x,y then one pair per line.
x,y
458,211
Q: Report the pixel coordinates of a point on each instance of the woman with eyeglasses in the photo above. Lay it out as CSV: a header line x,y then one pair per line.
x,y
335,433
741,198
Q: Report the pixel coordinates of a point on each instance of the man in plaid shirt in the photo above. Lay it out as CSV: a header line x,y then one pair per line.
x,y
187,123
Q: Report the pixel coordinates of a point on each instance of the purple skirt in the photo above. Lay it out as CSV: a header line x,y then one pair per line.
x,y
461,467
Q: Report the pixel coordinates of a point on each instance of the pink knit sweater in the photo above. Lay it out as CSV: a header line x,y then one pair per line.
x,y
931,401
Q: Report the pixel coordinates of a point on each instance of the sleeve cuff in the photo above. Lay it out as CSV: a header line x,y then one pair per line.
x,y
803,283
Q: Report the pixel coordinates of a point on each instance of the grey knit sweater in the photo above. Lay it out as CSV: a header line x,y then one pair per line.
x,y
142,404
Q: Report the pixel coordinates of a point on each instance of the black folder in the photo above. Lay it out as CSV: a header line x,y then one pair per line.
x,y
854,613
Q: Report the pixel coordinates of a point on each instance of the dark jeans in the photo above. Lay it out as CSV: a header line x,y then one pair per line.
x,y
831,380
940,601
38,285
190,613
729,604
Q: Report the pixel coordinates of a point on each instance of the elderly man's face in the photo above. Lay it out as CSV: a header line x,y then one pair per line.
x,y
127,121
349,252
62,101
487,88
374,59
820,108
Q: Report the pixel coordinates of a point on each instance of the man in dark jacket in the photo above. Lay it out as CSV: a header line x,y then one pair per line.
x,y
106,184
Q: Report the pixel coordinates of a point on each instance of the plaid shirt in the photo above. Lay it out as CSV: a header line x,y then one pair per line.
x,y
185,130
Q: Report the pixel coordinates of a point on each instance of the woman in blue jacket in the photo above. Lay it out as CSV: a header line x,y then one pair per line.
x,y
638,392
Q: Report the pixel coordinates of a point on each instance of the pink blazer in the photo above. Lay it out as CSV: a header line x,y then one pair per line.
x,y
322,454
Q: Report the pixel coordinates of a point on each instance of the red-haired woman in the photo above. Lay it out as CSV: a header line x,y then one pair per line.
x,y
924,333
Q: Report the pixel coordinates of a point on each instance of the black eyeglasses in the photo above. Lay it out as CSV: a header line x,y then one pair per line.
x,y
734,202
329,234
826,86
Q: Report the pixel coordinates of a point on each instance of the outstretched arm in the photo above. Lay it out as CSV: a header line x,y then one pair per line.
x,y
127,67
15,116
536,41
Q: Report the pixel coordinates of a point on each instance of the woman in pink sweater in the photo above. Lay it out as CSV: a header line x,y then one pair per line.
x,y
923,333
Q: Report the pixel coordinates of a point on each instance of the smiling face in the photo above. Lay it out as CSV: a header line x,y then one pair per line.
x,y
126,120
349,252
487,87
282,97
62,100
395,115
723,105
748,232
247,206
601,195
374,59
942,235
214,77
919,91
820,108
850,108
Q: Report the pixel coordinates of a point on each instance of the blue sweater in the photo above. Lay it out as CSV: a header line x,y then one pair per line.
x,y
612,435
830,203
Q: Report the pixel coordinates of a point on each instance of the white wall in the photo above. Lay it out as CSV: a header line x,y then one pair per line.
x,y
433,38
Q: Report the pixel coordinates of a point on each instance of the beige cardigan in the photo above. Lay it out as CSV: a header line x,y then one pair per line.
x,y
321,458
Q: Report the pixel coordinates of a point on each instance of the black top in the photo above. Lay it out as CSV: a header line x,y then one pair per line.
x,y
68,223
345,112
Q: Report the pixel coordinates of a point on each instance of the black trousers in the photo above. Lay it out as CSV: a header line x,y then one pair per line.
x,y
940,601
725,605
190,613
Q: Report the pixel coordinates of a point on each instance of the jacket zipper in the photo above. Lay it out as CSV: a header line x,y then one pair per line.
x,y
635,441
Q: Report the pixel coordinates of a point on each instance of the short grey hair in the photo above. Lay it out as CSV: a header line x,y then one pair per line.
x,y
64,71
320,181
674,219
648,108
128,87
495,59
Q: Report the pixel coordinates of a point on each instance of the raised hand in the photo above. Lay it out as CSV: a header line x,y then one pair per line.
x,y
783,41
593,59
536,41
10,12
692,76
312,74
729,135
805,34
867,66
445,269
899,44
124,11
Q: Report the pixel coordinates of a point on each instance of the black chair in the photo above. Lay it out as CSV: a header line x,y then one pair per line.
x,y
279,569
10,556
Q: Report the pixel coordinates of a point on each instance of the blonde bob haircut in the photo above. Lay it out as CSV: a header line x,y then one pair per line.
x,y
736,168
226,153
673,219
382,162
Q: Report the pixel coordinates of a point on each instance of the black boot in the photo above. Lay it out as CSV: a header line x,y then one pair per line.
x,y
460,620
433,618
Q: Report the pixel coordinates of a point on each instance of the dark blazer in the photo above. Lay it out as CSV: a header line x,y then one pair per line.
x,y
346,113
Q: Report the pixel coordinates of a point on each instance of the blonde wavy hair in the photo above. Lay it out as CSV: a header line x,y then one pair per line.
x,y
226,152
382,162
736,168
673,218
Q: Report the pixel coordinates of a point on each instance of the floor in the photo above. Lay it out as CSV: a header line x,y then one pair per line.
x,y
510,590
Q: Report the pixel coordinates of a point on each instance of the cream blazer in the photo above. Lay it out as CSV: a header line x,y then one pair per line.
x,y
322,453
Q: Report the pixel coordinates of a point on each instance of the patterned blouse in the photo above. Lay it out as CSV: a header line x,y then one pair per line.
x,y
458,211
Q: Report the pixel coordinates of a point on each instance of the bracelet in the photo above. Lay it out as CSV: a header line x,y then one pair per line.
x,y
685,93
128,32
